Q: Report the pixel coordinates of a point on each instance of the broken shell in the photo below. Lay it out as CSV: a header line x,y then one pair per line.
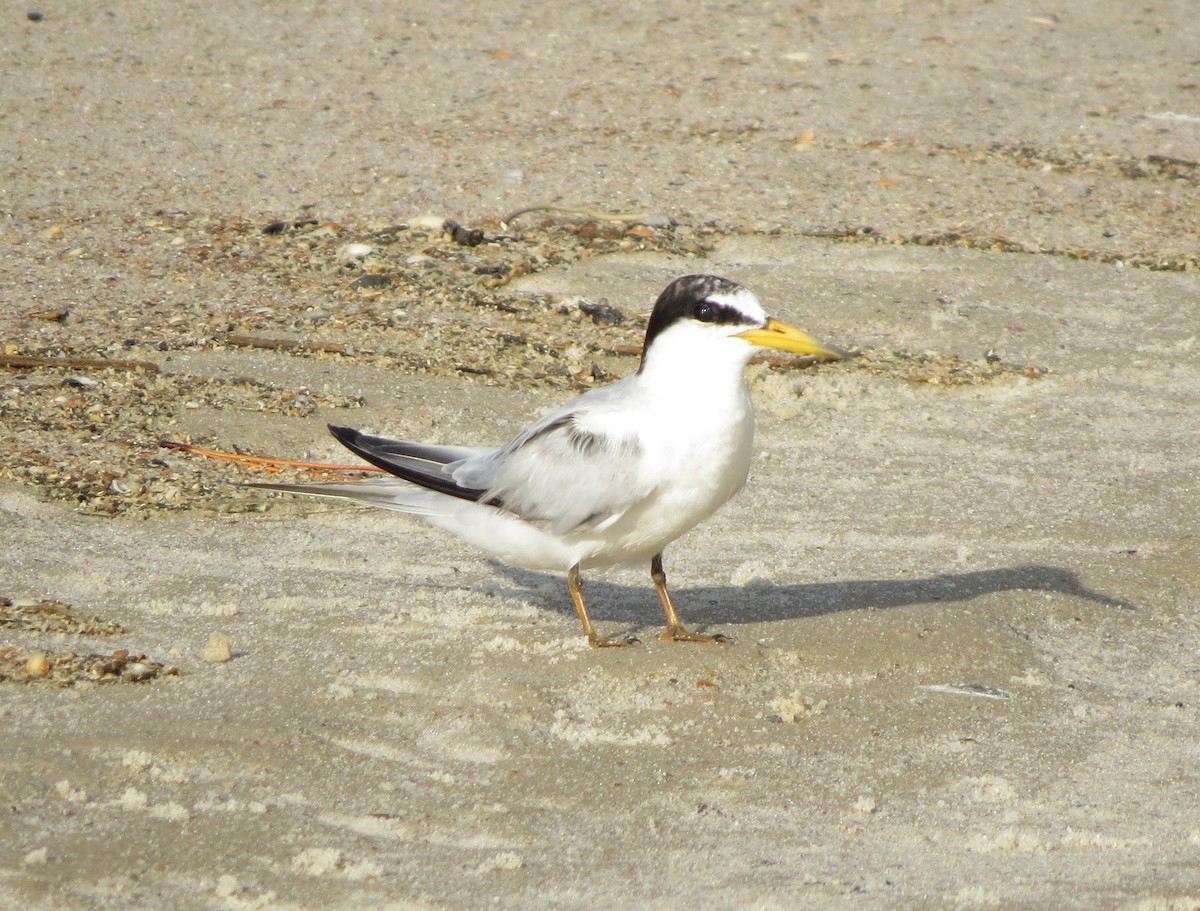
x,y
354,252
426,223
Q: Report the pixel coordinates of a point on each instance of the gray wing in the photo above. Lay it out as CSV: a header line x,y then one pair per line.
x,y
560,471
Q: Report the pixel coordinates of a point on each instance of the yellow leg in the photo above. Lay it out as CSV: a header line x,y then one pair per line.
x,y
595,640
675,630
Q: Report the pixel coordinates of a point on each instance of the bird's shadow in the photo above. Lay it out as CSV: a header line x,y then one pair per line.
x,y
761,603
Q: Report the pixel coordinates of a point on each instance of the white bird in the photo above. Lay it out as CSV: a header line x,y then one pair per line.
x,y
613,476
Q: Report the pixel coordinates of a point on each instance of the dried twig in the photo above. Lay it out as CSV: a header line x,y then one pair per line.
x,y
267,462
74,363
580,211
282,344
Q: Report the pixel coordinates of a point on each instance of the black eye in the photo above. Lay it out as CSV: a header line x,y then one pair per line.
x,y
705,312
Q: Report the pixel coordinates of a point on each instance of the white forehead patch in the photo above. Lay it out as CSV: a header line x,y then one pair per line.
x,y
743,301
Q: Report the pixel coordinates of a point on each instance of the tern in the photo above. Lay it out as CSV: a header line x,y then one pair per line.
x,y
613,476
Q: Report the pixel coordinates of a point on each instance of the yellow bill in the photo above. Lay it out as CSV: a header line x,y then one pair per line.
x,y
788,338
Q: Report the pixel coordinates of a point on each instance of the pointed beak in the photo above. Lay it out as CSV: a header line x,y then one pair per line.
x,y
788,338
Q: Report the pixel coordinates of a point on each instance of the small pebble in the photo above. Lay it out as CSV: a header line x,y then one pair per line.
x,y
658,220
371,280
216,649
865,805
37,665
602,312
753,574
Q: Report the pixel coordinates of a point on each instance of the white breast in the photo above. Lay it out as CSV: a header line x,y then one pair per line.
x,y
696,447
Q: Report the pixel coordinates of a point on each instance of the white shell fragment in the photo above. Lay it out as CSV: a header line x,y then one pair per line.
x,y
354,252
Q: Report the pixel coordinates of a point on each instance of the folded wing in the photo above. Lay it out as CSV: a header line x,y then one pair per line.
x,y
561,472
558,473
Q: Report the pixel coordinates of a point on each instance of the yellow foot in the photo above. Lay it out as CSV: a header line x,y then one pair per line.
x,y
597,641
679,634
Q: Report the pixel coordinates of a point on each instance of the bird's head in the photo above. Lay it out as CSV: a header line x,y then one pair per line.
x,y
705,318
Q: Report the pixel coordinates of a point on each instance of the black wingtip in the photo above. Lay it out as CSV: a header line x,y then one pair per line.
x,y
342,434
390,454
354,440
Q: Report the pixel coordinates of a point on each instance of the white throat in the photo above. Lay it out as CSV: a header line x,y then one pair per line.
x,y
692,354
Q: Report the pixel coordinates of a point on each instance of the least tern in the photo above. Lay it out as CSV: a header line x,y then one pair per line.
x,y
613,476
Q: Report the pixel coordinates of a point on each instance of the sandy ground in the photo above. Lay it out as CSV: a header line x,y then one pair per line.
x,y
967,617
